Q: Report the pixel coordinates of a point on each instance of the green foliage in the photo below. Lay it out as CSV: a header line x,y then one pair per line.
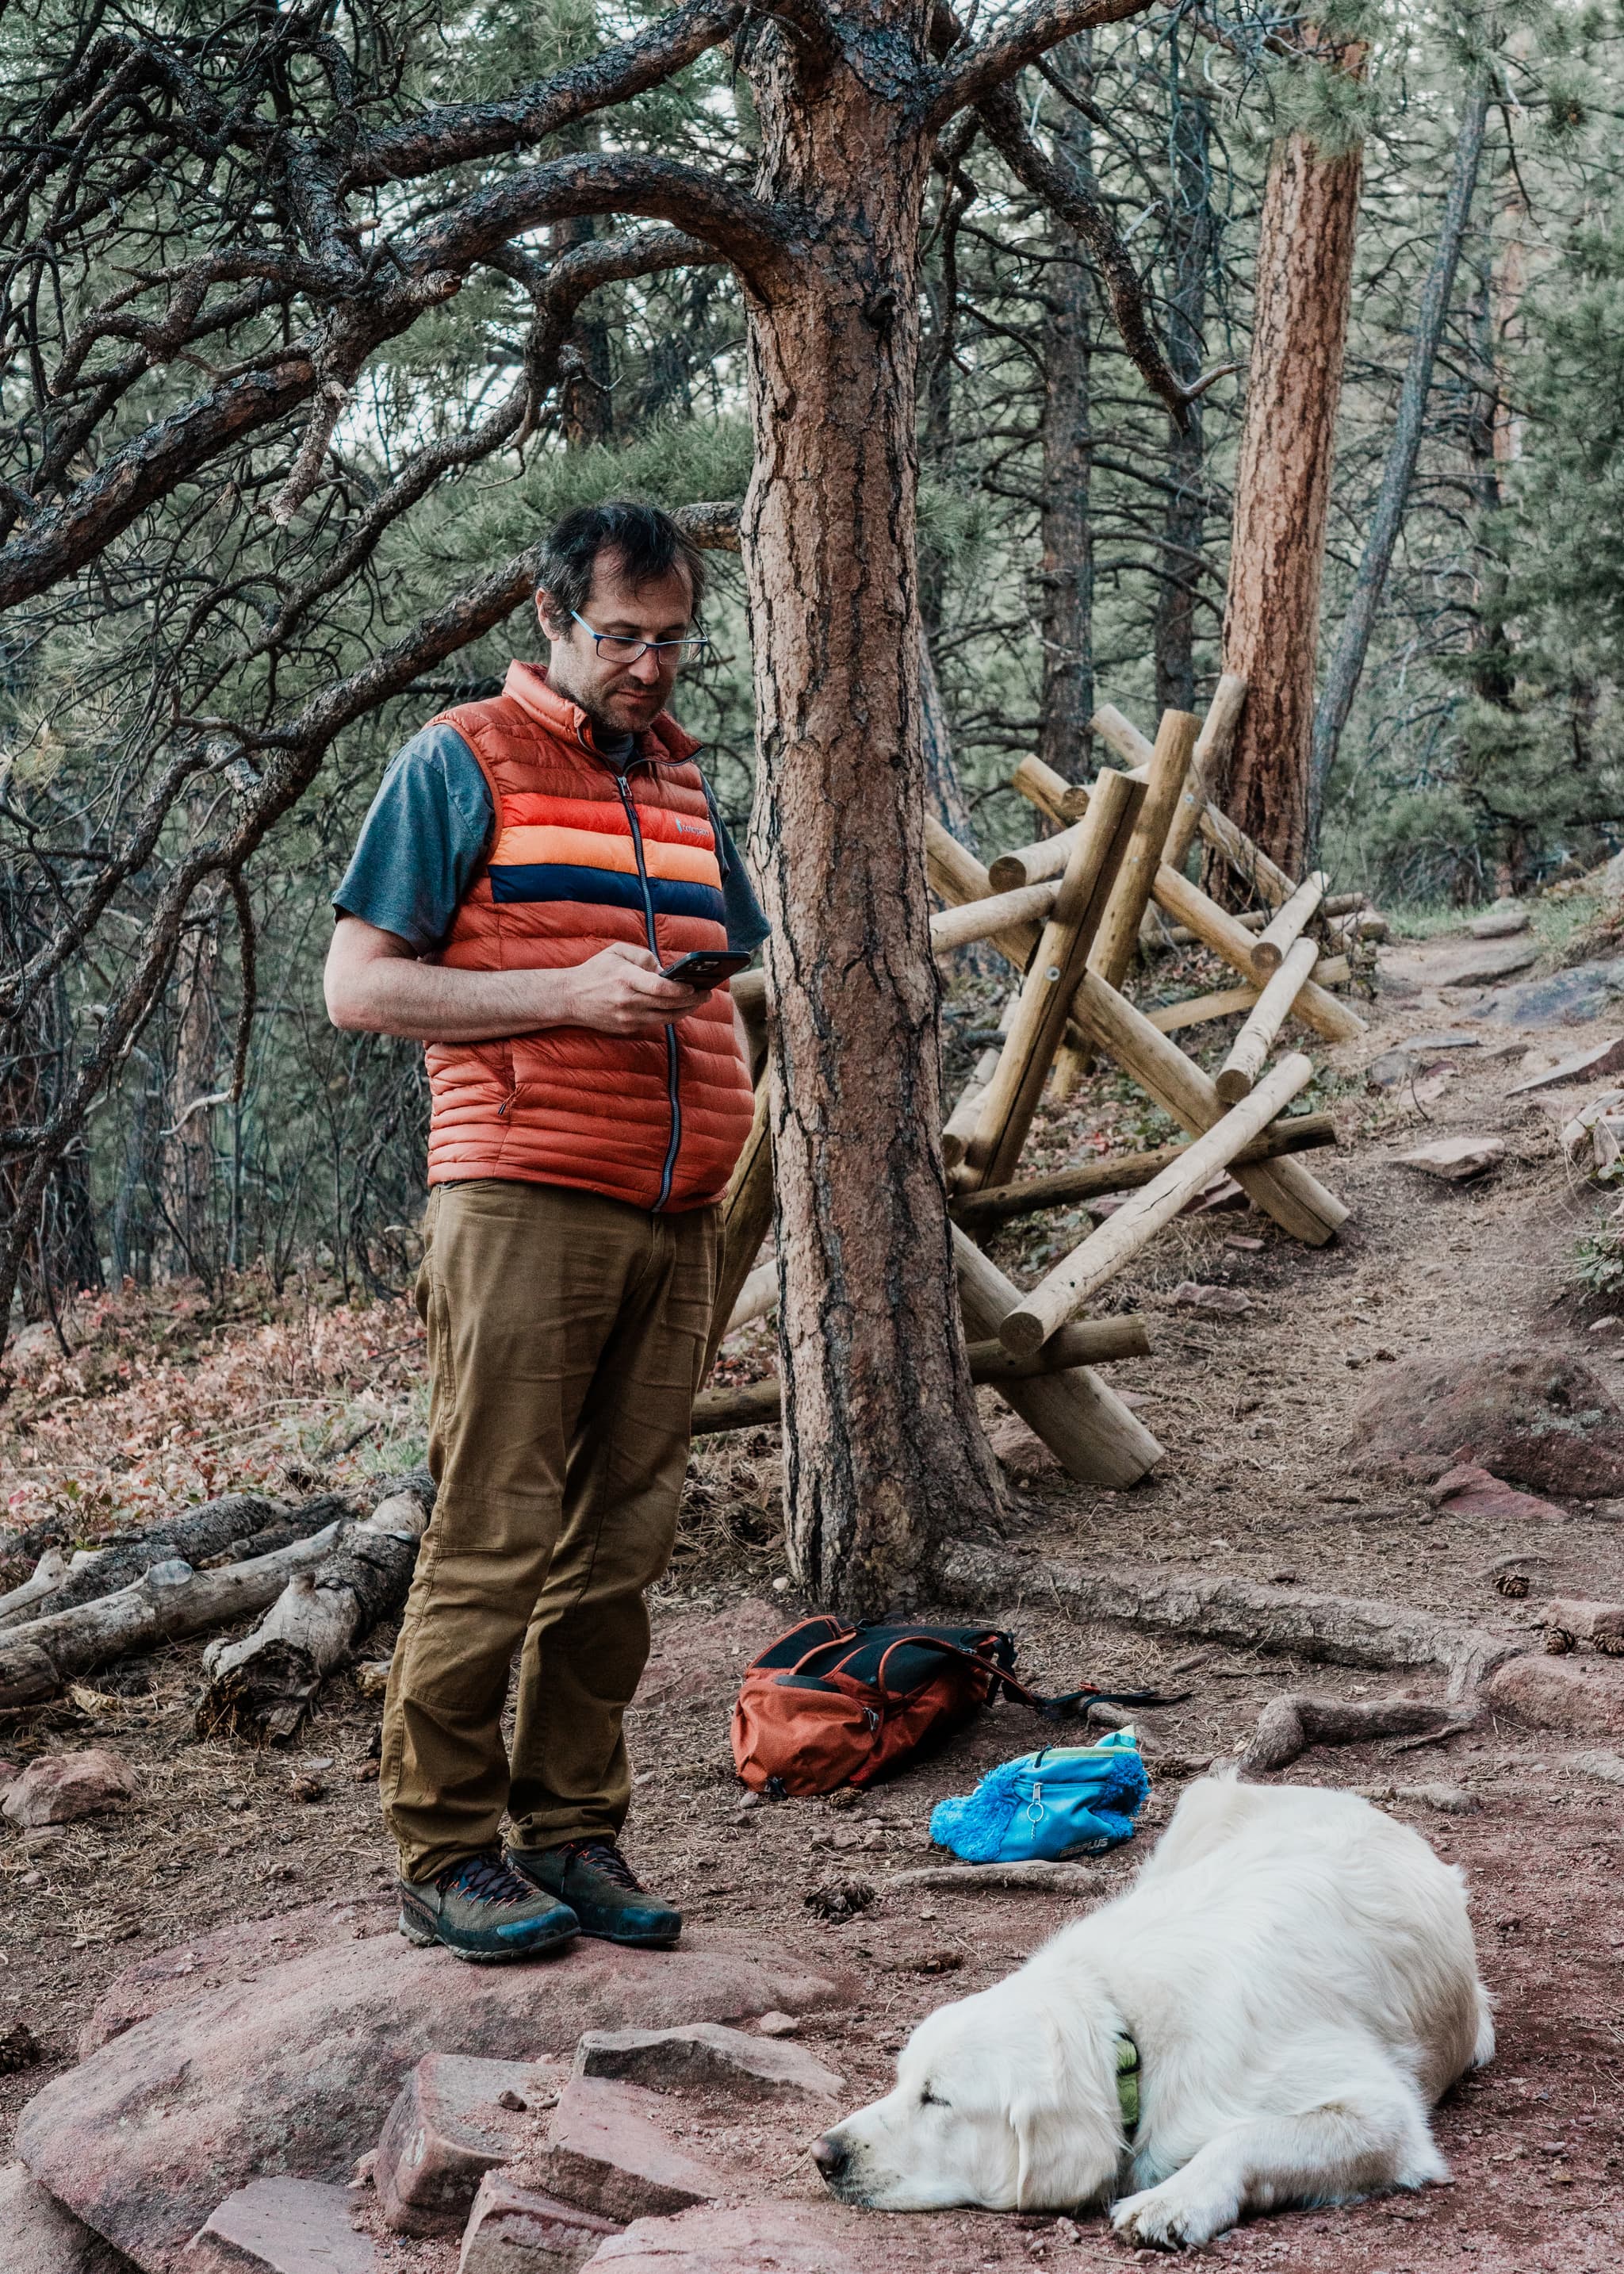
x,y
1598,1259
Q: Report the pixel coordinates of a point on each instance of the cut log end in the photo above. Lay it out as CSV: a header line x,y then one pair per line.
x,y
1232,1084
1022,1333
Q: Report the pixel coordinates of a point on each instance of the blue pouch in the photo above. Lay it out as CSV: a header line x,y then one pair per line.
x,y
1068,1800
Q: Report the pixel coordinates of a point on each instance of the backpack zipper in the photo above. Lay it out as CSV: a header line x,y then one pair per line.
x,y
672,1092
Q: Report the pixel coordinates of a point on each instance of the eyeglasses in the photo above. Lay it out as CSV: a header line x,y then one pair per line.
x,y
613,649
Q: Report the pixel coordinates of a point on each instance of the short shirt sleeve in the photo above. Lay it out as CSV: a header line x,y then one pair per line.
x,y
742,913
423,841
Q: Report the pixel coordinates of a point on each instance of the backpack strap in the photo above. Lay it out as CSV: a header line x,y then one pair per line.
x,y
1062,1707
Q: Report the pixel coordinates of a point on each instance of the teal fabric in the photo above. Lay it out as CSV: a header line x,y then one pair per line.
x,y
425,839
1067,1800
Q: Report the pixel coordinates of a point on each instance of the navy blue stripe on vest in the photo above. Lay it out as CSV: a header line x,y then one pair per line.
x,y
604,888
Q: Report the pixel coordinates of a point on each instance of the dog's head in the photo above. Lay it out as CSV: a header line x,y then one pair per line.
x,y
1006,2101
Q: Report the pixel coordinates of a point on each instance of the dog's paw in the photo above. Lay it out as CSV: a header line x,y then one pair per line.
x,y
1171,2217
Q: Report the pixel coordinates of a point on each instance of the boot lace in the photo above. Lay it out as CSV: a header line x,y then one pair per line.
x,y
486,1880
604,1856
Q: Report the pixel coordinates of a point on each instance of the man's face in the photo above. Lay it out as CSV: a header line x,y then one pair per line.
x,y
623,696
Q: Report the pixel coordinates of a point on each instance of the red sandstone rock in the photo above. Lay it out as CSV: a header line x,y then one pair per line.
x,y
607,2152
1468,1491
38,2237
232,1954
455,2119
513,2230
296,2067
281,2226
63,1786
1532,1416
704,2053
768,2238
1583,1697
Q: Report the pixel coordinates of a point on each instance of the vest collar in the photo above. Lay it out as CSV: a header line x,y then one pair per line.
x,y
663,743
1128,2084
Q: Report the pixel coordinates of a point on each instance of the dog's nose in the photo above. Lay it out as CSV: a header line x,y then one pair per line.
x,y
830,2156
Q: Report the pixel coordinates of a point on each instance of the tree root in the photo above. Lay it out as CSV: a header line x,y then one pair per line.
x,y
1288,1726
1030,1879
1340,1629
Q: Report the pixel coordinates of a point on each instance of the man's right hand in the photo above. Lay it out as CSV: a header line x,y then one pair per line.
x,y
619,991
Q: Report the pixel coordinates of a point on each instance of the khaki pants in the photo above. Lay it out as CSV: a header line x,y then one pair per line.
x,y
566,1337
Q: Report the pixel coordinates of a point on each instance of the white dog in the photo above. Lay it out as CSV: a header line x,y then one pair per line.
x,y
1298,1976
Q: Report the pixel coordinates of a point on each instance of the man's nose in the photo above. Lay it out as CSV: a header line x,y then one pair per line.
x,y
831,2155
647,668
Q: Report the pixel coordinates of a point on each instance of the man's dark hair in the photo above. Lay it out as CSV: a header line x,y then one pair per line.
x,y
648,542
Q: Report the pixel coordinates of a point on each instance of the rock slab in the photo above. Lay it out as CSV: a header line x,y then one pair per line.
x,y
1581,1696
64,1786
1484,962
706,2053
455,2119
1456,1160
281,2226
1583,1065
770,2237
37,2236
1473,1492
513,2230
1567,999
608,2152
1530,1415
293,2068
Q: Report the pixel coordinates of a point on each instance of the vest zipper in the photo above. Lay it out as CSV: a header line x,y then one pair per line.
x,y
672,1091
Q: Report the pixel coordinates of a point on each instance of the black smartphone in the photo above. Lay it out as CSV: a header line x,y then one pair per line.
x,y
707,968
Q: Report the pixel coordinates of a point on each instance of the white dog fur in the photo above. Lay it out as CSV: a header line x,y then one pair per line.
x,y
1299,1975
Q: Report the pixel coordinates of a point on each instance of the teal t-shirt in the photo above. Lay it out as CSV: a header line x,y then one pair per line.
x,y
427,832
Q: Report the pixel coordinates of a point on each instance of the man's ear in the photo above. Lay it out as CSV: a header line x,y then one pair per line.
x,y
555,621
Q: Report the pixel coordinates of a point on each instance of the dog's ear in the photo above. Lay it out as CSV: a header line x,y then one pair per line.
x,y
1068,2139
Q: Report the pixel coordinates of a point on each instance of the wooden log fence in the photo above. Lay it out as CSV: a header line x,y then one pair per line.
x,y
1120,1172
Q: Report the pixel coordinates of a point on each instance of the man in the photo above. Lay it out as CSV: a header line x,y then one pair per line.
x,y
527,867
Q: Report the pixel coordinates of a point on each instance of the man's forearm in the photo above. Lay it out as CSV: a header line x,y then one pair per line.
x,y
428,1003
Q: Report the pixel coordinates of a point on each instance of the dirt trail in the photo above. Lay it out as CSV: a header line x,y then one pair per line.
x,y
1256,1413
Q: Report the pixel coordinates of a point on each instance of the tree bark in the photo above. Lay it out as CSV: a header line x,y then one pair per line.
x,y
1343,679
882,1446
1304,271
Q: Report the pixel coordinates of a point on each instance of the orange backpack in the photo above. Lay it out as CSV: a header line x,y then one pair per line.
x,y
829,1704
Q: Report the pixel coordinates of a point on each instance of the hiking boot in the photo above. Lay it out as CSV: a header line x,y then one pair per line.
x,y
484,1913
601,1888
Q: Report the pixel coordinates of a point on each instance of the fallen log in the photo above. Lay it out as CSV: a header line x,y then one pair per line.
x,y
261,1689
973,921
238,1526
1117,940
1041,786
758,1295
1110,1246
1288,1726
1207,763
1121,1172
16,1607
960,1127
168,1603
1172,1017
1340,1629
1086,1342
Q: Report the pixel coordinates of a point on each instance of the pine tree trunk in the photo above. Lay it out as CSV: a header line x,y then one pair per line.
x,y
1065,529
1353,641
1192,231
1310,207
882,1447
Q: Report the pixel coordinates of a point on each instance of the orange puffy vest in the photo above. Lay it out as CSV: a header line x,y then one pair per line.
x,y
582,855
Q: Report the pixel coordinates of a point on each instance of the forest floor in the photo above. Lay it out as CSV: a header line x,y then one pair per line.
x,y
172,1399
